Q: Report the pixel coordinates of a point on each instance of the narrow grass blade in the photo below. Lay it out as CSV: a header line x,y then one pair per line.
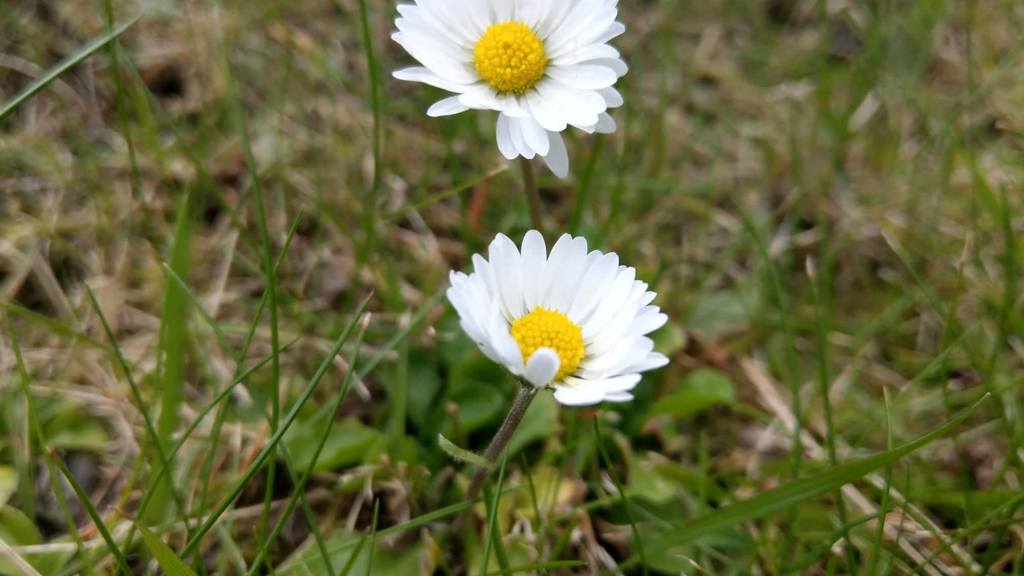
x,y
492,516
271,446
65,65
610,468
883,509
373,536
540,566
793,493
37,431
140,404
304,479
171,350
122,564
165,557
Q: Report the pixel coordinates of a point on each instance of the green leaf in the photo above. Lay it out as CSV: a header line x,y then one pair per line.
x,y
8,483
790,495
475,386
461,454
16,529
700,390
165,557
670,339
424,386
348,443
73,429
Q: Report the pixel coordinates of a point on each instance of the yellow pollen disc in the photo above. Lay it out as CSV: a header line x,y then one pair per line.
x,y
510,57
543,328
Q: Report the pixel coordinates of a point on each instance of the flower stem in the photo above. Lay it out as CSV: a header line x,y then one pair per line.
x,y
532,194
515,415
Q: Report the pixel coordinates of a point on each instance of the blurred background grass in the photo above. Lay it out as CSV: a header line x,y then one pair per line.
x,y
825,195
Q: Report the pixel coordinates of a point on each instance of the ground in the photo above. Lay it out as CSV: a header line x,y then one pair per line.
x,y
825,195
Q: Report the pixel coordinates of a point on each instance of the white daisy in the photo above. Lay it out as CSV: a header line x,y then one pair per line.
x,y
543,65
571,320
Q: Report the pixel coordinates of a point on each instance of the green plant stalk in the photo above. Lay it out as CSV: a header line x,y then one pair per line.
x,y
532,194
524,397
370,219
583,190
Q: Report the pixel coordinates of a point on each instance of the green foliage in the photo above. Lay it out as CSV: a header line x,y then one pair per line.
x,y
165,557
699,391
828,191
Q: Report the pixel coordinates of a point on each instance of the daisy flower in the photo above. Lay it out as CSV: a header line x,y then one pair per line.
x,y
570,320
543,65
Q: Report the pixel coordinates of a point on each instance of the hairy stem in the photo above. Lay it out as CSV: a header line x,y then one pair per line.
x,y
515,415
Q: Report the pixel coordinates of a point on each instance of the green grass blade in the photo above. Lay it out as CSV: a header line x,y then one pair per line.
x,y
492,516
270,278
122,564
795,492
165,557
304,479
270,447
540,566
373,536
65,65
147,421
883,508
171,350
610,468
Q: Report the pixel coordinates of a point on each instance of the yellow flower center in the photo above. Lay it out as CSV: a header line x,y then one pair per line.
x,y
543,328
510,57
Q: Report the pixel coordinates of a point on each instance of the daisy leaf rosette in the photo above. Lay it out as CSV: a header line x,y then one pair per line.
x,y
543,65
571,320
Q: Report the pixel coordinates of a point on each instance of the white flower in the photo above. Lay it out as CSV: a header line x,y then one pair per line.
x,y
572,320
543,65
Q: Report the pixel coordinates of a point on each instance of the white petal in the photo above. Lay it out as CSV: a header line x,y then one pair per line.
x,y
535,136
515,130
578,395
422,75
534,255
594,285
505,259
542,367
504,136
618,397
557,157
612,97
584,76
605,124
563,273
447,107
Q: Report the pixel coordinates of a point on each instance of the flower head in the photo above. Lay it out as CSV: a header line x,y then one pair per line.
x,y
543,65
571,320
